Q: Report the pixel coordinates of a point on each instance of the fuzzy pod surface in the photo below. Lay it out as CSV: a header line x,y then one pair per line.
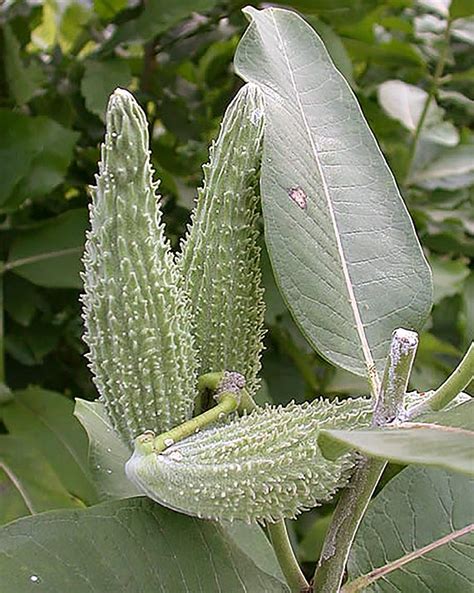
x,y
260,467
220,256
137,319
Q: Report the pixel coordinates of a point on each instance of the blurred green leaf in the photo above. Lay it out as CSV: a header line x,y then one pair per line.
x,y
405,103
32,476
45,421
23,81
458,99
156,17
12,505
452,169
21,299
73,19
337,11
460,8
463,30
107,9
49,254
35,153
100,79
311,545
448,276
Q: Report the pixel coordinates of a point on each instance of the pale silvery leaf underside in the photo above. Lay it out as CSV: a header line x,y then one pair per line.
x,y
340,239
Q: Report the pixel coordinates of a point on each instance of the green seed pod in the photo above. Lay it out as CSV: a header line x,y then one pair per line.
x,y
138,324
263,466
220,256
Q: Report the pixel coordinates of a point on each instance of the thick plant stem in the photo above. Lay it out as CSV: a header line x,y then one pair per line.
x,y
286,557
460,378
356,497
438,73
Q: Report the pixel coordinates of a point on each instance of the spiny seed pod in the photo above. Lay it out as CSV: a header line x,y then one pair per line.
x,y
220,256
263,466
138,324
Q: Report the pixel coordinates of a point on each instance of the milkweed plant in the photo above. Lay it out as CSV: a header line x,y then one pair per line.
x,y
175,338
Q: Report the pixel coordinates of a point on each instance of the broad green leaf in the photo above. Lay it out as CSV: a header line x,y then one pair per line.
x,y
460,8
440,7
35,153
74,17
156,17
457,99
444,440
32,476
49,254
463,30
337,11
45,34
21,299
100,79
107,453
125,546
417,508
107,9
44,420
12,505
452,169
22,80
391,53
405,103
448,277
341,242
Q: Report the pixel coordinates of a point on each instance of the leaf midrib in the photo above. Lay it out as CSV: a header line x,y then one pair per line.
x,y
369,361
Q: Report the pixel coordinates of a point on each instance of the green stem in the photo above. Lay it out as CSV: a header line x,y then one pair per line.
x,y
228,403
435,83
355,499
286,557
460,378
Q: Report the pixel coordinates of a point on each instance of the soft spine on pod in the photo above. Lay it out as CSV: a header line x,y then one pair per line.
x,y
138,325
264,466
220,256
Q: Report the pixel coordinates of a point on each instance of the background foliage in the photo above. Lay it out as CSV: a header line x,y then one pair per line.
x,y
60,61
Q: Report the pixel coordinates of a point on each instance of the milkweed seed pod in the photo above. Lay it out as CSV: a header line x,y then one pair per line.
x,y
138,324
220,256
263,466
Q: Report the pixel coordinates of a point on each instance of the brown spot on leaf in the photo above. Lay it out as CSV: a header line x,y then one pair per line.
x,y
298,195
